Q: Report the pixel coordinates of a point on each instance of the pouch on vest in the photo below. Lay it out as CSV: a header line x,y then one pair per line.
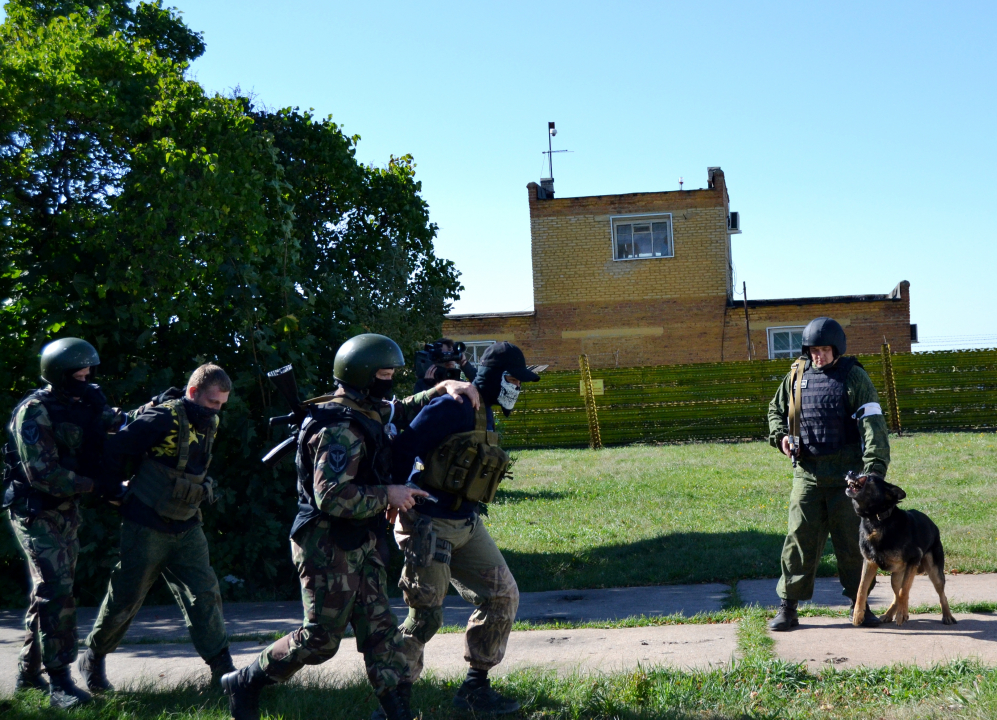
x,y
469,465
171,492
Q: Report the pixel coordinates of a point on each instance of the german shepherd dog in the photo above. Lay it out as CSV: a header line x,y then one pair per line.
x,y
901,542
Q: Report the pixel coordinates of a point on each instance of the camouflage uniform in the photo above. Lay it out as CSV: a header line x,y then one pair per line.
x,y
478,572
343,586
46,521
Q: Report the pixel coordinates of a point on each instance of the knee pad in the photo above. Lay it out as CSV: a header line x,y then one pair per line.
x,y
423,623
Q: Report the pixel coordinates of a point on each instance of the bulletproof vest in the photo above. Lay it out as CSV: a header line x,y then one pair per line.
x,y
375,469
825,424
470,465
79,437
172,492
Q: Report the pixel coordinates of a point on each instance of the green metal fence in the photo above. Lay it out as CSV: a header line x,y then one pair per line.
x,y
716,401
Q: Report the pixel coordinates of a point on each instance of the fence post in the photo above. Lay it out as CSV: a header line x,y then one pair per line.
x,y
891,388
595,438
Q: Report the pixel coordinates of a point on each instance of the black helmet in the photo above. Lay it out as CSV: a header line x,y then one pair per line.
x,y
824,331
66,355
359,358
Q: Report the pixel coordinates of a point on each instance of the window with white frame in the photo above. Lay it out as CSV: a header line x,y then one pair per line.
x,y
476,348
642,236
785,342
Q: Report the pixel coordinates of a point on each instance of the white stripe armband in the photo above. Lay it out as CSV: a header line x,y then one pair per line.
x,y
867,410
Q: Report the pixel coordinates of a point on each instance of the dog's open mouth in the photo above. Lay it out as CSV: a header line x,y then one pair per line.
x,y
855,484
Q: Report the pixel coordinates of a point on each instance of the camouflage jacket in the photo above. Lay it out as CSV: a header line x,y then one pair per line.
x,y
54,456
337,452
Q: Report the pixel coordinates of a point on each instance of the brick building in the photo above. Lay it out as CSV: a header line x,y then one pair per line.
x,y
646,279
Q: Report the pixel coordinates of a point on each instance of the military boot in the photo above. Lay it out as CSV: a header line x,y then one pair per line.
x,y
243,689
404,691
220,664
476,695
63,693
786,618
869,620
394,704
28,680
91,667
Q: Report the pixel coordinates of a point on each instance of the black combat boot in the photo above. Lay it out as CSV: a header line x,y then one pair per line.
x,y
220,664
63,693
28,680
243,690
394,703
869,620
476,695
786,618
91,667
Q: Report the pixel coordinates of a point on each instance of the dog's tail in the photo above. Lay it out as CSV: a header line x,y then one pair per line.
x,y
938,555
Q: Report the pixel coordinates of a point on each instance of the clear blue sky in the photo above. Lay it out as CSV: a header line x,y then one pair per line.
x,y
857,138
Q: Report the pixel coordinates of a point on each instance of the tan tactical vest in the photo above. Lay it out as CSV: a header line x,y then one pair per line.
x,y
469,464
171,492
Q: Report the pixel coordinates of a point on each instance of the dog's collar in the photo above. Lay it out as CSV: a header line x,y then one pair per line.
x,y
880,517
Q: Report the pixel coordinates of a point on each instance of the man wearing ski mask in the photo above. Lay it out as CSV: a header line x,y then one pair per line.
x,y
451,451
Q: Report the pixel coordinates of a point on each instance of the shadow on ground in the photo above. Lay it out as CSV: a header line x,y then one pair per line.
x,y
687,557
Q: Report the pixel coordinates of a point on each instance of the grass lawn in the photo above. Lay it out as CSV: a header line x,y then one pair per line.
x,y
644,515
757,686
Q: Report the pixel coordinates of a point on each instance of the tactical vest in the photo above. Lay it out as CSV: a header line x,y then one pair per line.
x,y
79,438
173,493
825,423
470,465
375,469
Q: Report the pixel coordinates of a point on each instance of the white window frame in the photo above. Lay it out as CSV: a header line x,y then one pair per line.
x,y
782,328
475,347
615,220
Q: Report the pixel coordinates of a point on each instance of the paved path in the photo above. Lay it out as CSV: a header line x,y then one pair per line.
x,y
818,641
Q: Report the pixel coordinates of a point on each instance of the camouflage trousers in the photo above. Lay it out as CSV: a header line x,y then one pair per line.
x,y
183,561
51,546
460,552
339,588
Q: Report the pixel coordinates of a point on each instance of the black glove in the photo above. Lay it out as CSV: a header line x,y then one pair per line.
x,y
94,397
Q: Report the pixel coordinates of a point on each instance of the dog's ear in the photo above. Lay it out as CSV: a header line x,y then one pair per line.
x,y
896,494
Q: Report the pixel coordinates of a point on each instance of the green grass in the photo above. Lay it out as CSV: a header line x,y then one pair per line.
x,y
644,515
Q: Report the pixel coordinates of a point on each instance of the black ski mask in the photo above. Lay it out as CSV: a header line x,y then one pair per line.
x,y
381,389
489,383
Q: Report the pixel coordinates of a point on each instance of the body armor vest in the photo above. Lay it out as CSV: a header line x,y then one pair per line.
x,y
79,436
825,424
173,493
375,469
470,465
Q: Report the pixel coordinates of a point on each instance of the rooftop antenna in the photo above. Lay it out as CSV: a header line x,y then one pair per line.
x,y
551,132
680,183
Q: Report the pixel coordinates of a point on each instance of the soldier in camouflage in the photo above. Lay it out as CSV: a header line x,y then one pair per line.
x,y
841,429
344,486
169,441
53,452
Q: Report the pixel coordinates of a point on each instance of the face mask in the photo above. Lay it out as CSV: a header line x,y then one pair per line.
x,y
75,388
508,395
380,389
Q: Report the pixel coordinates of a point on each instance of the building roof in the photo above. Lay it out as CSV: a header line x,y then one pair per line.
x,y
892,296
475,316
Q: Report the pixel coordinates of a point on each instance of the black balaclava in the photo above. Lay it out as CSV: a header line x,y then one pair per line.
x,y
380,389
198,415
489,383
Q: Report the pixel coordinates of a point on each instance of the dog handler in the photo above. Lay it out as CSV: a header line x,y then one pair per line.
x,y
826,416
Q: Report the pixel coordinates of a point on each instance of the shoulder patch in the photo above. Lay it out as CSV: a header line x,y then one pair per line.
x,y
30,432
339,456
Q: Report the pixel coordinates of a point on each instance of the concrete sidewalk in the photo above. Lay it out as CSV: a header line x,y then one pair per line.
x,y
818,642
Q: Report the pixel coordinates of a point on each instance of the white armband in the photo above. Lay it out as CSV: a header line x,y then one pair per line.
x,y
867,410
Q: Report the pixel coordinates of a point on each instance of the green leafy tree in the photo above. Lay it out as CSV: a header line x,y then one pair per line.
x,y
171,227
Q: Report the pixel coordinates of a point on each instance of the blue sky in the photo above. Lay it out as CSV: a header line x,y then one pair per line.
x,y
857,139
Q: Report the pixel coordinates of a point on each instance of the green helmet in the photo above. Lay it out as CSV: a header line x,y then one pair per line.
x,y
359,358
66,354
